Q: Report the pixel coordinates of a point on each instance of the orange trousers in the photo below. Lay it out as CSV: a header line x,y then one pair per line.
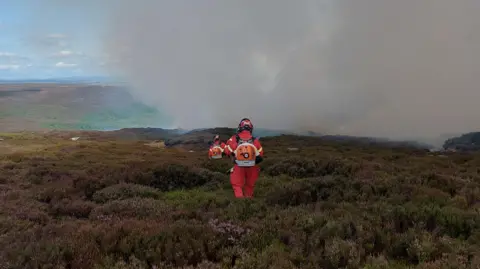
x,y
244,178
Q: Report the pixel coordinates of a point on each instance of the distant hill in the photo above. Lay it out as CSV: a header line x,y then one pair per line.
x,y
377,141
146,133
64,80
465,142
199,138
73,106
62,105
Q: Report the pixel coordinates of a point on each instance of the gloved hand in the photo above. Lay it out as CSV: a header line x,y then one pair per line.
x,y
258,159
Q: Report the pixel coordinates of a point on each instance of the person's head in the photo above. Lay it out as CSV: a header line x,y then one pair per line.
x,y
216,139
245,125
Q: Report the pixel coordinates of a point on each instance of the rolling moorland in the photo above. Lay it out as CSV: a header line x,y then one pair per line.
x,y
104,201
71,106
150,198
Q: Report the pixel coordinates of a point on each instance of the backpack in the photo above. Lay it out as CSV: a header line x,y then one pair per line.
x,y
217,152
246,152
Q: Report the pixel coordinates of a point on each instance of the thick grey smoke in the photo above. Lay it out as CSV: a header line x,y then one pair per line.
x,y
401,69
214,62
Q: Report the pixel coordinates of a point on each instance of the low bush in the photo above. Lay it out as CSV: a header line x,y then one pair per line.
x,y
176,176
303,167
132,208
76,208
124,191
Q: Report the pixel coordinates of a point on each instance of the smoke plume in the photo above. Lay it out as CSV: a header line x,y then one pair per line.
x,y
400,69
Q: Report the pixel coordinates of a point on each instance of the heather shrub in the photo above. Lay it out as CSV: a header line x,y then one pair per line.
x,y
124,191
124,204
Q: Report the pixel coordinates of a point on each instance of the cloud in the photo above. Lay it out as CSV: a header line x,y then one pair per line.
x,y
47,42
65,65
58,40
13,58
9,67
7,54
56,36
67,53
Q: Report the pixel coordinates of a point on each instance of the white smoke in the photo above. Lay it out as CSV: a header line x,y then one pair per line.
x,y
392,68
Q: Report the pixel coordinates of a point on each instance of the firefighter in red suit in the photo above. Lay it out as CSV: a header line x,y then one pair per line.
x,y
217,149
246,152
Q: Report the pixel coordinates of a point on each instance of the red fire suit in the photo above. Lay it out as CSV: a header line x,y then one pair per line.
x,y
245,152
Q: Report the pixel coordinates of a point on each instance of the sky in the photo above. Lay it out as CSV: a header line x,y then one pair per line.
x,y
56,43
